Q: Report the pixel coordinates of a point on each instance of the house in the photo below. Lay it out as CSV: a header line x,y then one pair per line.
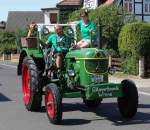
x,y
21,19
139,8
51,15
68,6
60,13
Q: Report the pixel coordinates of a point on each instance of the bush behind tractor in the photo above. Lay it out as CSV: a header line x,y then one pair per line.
x,y
84,74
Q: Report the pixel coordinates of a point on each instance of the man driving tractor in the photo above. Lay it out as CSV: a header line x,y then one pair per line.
x,y
60,44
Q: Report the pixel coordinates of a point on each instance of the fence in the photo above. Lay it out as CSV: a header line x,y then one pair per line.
x,y
11,57
116,63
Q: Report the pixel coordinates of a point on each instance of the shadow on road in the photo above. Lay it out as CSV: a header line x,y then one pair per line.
x,y
109,111
106,111
3,98
71,122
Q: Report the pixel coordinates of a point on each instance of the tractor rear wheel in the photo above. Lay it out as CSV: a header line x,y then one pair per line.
x,y
128,104
53,103
92,103
31,92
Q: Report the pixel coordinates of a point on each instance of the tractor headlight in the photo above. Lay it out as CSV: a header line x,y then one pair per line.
x,y
97,78
71,73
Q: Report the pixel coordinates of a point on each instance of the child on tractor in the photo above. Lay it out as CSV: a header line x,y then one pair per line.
x,y
88,30
32,30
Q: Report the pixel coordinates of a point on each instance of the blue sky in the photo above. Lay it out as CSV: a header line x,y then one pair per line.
x,y
26,5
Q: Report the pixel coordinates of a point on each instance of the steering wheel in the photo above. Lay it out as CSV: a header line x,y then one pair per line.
x,y
69,33
45,30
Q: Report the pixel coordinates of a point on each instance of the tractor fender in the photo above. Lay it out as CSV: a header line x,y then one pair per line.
x,y
23,54
34,54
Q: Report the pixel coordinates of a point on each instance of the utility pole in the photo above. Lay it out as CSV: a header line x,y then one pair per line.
x,y
99,33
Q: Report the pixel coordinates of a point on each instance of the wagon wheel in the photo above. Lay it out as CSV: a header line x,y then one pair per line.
x,y
128,104
31,93
53,103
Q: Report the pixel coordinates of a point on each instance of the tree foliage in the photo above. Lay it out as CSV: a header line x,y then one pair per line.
x,y
7,42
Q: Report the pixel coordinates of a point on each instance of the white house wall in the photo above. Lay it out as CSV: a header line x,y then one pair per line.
x,y
46,18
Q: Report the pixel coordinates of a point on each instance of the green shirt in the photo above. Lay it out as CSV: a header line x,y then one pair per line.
x,y
85,29
54,40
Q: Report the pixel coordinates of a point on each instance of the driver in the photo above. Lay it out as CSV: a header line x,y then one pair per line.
x,y
60,44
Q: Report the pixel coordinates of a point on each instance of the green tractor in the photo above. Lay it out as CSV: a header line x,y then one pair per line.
x,y
85,74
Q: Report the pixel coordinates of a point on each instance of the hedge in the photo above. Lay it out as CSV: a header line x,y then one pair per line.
x,y
134,42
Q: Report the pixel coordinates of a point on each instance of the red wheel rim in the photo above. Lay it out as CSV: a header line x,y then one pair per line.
x,y
49,103
26,84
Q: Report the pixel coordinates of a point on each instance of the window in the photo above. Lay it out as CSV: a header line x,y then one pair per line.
x,y
128,4
53,18
146,6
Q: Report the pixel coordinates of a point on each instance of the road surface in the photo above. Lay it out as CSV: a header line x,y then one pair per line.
x,y
14,116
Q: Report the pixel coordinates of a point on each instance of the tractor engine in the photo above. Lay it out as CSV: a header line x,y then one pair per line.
x,y
86,66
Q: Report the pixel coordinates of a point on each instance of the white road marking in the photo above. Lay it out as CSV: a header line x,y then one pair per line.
x,y
11,66
144,93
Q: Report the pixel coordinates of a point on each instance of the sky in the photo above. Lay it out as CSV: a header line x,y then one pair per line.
x,y
23,5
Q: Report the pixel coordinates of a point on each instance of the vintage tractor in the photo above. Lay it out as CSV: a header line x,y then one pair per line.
x,y
84,74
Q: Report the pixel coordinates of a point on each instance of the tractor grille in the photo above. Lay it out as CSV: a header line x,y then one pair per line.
x,y
96,66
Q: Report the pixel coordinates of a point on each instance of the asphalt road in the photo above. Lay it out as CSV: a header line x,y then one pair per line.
x,y
14,116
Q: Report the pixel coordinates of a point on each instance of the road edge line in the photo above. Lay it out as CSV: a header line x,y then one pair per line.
x,y
11,66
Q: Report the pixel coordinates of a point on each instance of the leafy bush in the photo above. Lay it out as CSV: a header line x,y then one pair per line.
x,y
74,16
7,42
133,42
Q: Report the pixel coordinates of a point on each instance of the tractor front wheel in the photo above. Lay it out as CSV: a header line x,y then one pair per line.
x,y
53,103
128,104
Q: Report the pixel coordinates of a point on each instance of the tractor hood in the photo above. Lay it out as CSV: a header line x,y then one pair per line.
x,y
86,53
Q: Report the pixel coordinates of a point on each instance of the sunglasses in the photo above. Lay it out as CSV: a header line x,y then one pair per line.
x,y
83,16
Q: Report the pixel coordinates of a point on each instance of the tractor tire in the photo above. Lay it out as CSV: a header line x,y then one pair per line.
x,y
128,104
92,103
30,85
53,103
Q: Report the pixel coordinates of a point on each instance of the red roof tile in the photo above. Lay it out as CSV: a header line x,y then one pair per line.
x,y
70,2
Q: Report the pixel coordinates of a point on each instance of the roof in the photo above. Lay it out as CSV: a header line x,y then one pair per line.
x,y
47,9
70,3
21,19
